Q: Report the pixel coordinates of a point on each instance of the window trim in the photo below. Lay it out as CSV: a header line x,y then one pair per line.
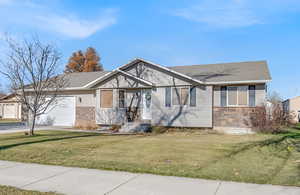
x,y
237,97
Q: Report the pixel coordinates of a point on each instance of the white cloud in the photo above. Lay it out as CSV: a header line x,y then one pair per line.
x,y
76,28
235,13
47,17
229,14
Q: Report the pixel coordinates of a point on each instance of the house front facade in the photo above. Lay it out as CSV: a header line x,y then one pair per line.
x,y
203,96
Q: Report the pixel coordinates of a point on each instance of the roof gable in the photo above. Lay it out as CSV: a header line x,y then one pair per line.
x,y
158,66
120,81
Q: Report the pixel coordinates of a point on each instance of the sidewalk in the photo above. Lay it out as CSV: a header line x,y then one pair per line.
x,y
69,180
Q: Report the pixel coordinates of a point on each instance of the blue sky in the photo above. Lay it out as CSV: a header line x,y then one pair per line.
x,y
168,32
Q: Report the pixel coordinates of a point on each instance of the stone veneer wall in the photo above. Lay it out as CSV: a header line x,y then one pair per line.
x,y
233,117
85,116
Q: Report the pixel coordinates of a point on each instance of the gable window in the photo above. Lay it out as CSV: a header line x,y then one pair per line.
x,y
106,98
121,99
237,95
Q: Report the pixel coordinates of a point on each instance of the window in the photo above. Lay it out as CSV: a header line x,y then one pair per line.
x,y
176,96
121,99
232,96
106,99
237,95
193,97
252,95
180,96
168,97
223,96
243,95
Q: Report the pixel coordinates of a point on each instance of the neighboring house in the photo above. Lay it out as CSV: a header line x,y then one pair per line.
x,y
10,107
292,106
208,96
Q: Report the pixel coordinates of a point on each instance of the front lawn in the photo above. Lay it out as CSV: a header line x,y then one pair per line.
x,y
9,121
6,190
272,159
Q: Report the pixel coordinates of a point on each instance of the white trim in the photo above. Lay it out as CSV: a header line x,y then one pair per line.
x,y
237,82
98,79
114,72
162,67
137,78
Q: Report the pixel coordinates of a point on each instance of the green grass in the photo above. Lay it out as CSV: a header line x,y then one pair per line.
x,y
9,120
6,190
259,158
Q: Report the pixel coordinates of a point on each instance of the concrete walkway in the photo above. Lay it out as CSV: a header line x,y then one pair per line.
x,y
68,180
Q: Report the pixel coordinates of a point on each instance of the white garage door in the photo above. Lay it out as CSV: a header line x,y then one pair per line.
x,y
9,111
61,114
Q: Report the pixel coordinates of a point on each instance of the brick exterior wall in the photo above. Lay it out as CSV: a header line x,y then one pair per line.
x,y
85,116
233,116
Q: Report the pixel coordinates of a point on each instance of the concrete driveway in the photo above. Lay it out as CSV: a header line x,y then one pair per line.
x,y
79,181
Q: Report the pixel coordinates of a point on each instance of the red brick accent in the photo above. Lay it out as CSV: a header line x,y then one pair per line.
x,y
85,116
233,116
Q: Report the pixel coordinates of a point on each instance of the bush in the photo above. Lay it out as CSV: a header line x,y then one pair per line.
x,y
87,125
270,118
115,128
158,129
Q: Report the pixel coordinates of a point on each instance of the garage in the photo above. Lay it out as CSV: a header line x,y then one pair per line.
x,y
10,107
60,114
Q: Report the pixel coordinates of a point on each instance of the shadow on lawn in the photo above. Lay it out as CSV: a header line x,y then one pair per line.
x,y
44,140
284,142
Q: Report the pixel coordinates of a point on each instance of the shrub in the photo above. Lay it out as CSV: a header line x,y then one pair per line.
x,y
87,125
270,118
158,129
115,128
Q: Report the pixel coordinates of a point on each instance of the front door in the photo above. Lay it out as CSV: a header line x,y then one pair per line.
x,y
146,101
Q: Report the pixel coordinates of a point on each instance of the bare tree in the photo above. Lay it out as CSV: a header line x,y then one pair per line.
x,y
31,67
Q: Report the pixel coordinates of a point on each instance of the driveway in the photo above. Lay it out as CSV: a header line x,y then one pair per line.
x,y
78,181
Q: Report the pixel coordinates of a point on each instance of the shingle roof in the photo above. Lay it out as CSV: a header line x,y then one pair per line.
x,y
80,79
227,72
